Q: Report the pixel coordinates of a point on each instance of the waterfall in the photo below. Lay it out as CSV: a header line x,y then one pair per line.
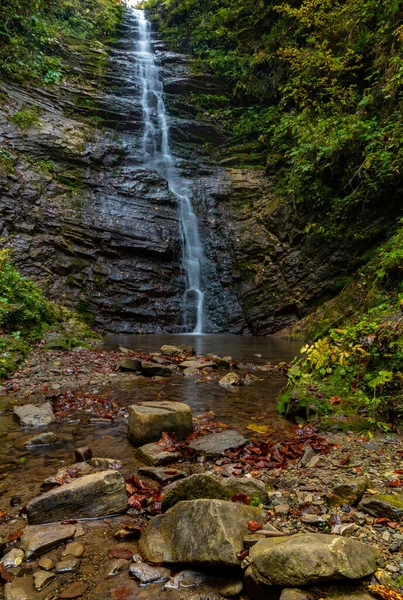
x,y
158,156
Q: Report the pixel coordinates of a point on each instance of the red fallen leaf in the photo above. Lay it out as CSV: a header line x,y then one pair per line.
x,y
396,483
335,400
398,471
345,459
241,499
392,524
15,536
243,554
380,520
5,575
121,553
69,522
74,590
254,525
356,469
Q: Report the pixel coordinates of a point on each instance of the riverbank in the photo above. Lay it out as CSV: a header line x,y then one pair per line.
x,y
296,466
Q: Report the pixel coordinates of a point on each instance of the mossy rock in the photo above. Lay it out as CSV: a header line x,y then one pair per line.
x,y
384,505
194,487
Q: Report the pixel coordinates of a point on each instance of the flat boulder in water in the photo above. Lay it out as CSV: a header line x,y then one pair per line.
x,y
198,532
215,444
310,558
33,415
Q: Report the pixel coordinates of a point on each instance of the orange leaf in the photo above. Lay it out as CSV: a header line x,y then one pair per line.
x,y
335,400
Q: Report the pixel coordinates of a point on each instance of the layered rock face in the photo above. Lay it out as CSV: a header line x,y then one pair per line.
x,y
87,219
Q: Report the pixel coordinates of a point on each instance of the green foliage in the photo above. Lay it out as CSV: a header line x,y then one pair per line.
x,y
36,35
23,307
315,86
25,118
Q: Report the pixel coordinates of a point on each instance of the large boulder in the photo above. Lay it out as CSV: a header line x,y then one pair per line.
x,y
207,485
304,559
198,532
148,420
214,444
34,415
91,496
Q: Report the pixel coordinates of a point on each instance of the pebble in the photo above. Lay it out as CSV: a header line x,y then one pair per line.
x,y
74,549
46,563
42,579
116,566
148,574
231,588
13,558
67,565
282,510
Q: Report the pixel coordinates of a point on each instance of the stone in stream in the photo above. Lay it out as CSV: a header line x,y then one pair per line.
x,y
150,369
161,474
223,361
190,364
130,365
105,464
383,506
91,496
117,565
148,420
13,558
198,532
349,493
42,579
83,454
153,455
75,549
33,415
67,565
310,558
215,444
40,539
230,379
65,474
149,574
293,594
46,438
168,350
207,485
231,588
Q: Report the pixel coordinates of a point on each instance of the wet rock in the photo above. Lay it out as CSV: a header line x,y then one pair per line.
x,y
231,588
40,539
230,379
310,558
66,474
105,464
41,439
349,493
46,563
161,474
168,350
42,579
13,558
206,485
32,415
224,362
154,370
390,506
91,496
148,574
251,539
148,420
187,579
116,566
191,372
282,510
130,365
293,594
67,565
83,454
15,501
344,529
215,444
74,549
177,535
190,364
74,590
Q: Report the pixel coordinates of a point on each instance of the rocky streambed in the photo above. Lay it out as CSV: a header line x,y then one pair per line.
x,y
129,474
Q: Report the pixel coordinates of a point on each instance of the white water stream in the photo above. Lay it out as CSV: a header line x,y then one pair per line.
x,y
157,155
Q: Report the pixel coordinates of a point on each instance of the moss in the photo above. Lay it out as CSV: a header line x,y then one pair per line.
x,y
25,118
396,501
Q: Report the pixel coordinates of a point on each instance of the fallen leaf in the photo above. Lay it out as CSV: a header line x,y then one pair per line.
x,y
15,535
5,575
121,553
74,590
254,525
335,400
396,483
241,499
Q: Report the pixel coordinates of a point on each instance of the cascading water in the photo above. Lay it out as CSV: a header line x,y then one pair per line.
x,y
157,155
